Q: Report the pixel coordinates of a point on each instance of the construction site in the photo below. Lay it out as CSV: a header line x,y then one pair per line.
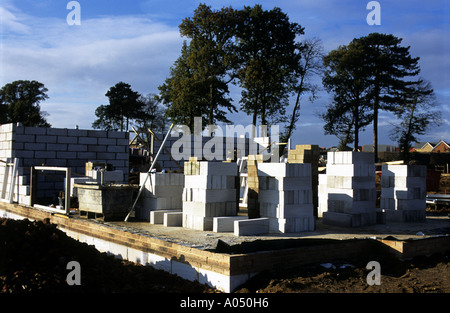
x,y
223,223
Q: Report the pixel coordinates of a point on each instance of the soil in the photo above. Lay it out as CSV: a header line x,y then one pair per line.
x,y
34,257
419,275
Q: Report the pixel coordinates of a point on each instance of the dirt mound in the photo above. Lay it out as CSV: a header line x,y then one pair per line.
x,y
419,275
34,258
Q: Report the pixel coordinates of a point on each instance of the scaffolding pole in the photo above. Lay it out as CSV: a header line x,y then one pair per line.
x,y
148,173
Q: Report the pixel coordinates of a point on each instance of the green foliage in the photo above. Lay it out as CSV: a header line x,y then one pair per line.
x,y
19,102
310,54
252,48
372,73
182,93
266,62
346,78
389,66
128,107
416,115
123,106
198,82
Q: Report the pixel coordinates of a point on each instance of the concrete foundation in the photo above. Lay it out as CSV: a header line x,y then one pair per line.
x,y
224,271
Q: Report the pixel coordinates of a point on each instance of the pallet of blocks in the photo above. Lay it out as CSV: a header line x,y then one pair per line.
x,y
210,190
162,193
308,154
403,192
285,196
351,190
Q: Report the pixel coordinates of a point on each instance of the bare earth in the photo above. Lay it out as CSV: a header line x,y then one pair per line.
x,y
33,258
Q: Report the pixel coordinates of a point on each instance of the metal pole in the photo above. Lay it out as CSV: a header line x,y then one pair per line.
x,y
67,191
148,173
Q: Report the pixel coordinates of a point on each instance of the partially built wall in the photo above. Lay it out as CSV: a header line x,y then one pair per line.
x,y
58,147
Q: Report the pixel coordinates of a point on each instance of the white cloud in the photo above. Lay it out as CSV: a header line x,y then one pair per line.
x,y
78,64
11,22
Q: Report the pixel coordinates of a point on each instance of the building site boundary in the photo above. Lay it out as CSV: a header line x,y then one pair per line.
x,y
223,271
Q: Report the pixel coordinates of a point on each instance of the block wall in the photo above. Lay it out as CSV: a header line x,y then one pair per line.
x,y
36,146
205,148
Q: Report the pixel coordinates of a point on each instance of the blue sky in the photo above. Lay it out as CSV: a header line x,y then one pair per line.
x,y
137,41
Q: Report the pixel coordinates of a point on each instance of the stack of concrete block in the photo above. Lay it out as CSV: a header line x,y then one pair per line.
x,y
253,185
285,196
403,192
322,195
308,154
162,193
210,190
351,189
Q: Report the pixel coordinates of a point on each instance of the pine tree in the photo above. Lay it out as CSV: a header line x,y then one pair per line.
x,y
389,68
416,115
345,77
19,102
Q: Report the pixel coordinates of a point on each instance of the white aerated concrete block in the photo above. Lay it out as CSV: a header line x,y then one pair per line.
x,y
351,169
286,196
197,222
218,168
284,169
350,157
208,195
173,219
209,191
226,223
403,189
157,217
250,227
292,224
210,181
163,191
209,209
404,170
347,194
322,195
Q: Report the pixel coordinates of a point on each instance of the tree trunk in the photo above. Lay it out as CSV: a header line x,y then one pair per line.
x,y
294,112
212,104
375,121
